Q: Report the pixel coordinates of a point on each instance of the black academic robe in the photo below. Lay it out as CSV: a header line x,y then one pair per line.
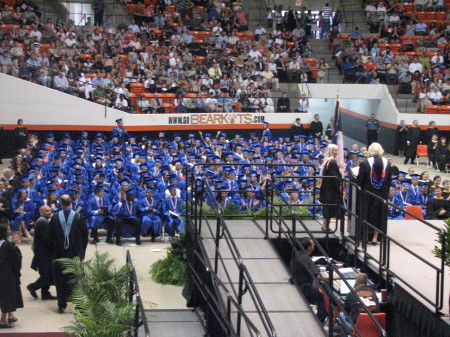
x,y
5,214
10,265
330,190
373,207
434,207
413,137
78,237
42,260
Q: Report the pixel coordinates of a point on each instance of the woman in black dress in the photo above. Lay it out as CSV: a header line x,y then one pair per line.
x,y
10,265
330,189
21,134
442,154
400,139
375,176
428,133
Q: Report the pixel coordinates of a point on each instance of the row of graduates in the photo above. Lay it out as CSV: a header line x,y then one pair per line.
x,y
145,208
412,192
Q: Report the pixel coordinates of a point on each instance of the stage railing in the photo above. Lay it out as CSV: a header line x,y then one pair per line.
x,y
219,232
210,286
201,190
383,258
289,231
133,291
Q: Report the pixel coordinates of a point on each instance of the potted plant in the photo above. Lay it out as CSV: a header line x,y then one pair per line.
x,y
444,240
100,296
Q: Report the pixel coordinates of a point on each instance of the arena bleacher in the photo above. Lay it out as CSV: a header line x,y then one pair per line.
x,y
197,57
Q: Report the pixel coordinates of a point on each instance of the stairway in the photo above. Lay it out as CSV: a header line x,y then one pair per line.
x,y
404,102
173,323
354,16
288,310
51,9
320,49
256,14
114,11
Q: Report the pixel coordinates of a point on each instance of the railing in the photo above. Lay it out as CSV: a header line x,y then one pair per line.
x,y
219,232
133,290
383,260
200,190
210,286
289,231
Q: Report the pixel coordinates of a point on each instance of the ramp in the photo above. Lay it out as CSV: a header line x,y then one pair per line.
x,y
173,323
289,312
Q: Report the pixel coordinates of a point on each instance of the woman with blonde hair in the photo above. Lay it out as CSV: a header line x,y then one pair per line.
x,y
330,189
375,176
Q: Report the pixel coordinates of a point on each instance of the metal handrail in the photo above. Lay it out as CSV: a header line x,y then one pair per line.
x,y
328,288
216,282
384,261
133,289
244,275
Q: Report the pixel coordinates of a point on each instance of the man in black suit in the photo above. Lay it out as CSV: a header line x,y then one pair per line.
x,y
69,237
42,260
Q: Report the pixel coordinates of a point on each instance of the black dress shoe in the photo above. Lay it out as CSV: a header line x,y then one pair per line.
x,y
153,239
48,297
118,243
138,242
61,310
32,291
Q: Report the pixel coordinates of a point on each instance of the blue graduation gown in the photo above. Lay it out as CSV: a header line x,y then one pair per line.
x,y
173,204
151,218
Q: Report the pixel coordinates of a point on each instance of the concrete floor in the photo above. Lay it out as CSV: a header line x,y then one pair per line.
x,y
42,316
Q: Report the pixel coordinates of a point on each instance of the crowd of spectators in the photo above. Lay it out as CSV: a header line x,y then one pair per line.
x,y
202,48
408,46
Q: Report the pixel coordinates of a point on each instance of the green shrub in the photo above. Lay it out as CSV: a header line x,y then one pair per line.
x,y
172,269
100,296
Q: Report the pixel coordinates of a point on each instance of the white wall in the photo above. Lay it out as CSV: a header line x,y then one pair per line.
x,y
354,97
41,106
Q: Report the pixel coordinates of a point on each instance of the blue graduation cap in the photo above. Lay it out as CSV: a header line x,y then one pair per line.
x,y
119,120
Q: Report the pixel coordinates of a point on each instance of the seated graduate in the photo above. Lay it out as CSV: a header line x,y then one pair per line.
x,y
249,201
402,197
127,210
173,212
97,209
414,194
394,213
150,211
438,207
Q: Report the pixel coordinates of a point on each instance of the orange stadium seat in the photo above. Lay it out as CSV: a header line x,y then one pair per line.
x,y
422,151
420,15
432,109
414,210
441,15
168,108
367,327
137,88
444,109
311,61
133,101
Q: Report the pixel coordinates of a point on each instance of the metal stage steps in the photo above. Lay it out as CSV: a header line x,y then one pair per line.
x,y
289,312
173,323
